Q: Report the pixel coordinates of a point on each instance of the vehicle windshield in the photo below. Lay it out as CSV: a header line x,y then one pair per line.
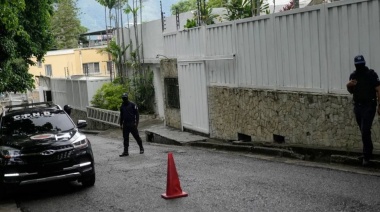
x,y
30,123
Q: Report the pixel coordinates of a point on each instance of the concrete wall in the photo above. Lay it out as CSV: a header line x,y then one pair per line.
x,y
172,115
325,120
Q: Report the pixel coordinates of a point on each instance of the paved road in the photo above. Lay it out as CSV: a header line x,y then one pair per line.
x,y
215,181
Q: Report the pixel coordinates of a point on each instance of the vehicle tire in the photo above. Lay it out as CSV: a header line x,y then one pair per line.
x,y
88,181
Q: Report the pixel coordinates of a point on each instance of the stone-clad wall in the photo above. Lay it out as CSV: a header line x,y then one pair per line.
x,y
172,115
303,118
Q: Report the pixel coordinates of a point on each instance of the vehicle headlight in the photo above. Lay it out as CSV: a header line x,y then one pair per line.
x,y
80,142
9,152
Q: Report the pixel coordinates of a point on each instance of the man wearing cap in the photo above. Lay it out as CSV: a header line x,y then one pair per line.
x,y
364,84
129,121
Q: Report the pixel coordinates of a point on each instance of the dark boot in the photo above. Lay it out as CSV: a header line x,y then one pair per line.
x,y
141,150
125,153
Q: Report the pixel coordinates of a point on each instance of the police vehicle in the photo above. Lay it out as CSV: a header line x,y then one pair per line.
x,y
39,142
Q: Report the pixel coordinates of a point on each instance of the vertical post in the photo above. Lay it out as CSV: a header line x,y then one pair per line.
x,y
296,4
198,12
162,18
177,18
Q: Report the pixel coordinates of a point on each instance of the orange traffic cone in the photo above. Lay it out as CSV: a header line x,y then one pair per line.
x,y
173,186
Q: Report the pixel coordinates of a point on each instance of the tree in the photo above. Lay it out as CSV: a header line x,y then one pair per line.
x,y
216,3
239,9
24,33
116,52
66,25
183,6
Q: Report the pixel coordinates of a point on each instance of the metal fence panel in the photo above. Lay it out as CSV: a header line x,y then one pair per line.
x,y
222,72
170,45
191,43
220,40
193,96
300,49
254,40
59,92
353,28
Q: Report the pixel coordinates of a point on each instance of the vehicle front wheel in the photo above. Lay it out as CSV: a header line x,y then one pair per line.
x,y
88,181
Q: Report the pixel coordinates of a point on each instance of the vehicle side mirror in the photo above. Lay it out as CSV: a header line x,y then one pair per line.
x,y
82,123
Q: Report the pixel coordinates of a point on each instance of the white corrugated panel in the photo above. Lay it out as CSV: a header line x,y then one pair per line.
x,y
191,43
170,45
300,49
220,40
193,96
152,43
255,57
58,90
92,87
353,28
222,72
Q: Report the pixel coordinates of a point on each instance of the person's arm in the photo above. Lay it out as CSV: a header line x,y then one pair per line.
x,y
377,88
351,85
121,118
137,116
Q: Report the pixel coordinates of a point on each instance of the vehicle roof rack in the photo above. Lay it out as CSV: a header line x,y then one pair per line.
x,y
30,105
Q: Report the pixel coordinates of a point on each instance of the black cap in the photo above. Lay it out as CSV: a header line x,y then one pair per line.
x,y
359,60
125,95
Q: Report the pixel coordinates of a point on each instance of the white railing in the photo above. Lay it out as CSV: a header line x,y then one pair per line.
x,y
104,116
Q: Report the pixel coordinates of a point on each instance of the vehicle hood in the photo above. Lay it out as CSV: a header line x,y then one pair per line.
x,y
40,140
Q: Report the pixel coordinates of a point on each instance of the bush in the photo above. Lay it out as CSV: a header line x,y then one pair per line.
x,y
143,91
108,97
140,90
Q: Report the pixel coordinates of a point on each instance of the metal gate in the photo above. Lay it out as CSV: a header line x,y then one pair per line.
x,y
193,96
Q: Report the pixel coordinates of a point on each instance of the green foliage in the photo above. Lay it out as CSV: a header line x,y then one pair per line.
x,y
239,9
24,33
9,14
110,4
142,90
108,97
190,23
66,25
116,52
183,6
216,3
206,17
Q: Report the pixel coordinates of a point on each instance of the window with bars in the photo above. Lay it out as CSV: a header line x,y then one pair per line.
x,y
91,68
172,92
48,70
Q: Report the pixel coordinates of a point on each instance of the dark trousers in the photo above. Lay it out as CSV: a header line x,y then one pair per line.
x,y
365,113
134,131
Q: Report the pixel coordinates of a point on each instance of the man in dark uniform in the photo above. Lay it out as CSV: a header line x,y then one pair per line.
x,y
129,121
364,84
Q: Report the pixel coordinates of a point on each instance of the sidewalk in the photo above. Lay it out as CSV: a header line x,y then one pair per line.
x,y
156,132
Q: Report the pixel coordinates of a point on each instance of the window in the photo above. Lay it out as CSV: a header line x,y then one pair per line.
x,y
172,92
91,68
39,64
48,70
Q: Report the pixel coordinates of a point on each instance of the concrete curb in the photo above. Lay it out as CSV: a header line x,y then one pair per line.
x,y
324,155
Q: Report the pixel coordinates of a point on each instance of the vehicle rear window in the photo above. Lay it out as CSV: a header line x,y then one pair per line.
x,y
29,123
